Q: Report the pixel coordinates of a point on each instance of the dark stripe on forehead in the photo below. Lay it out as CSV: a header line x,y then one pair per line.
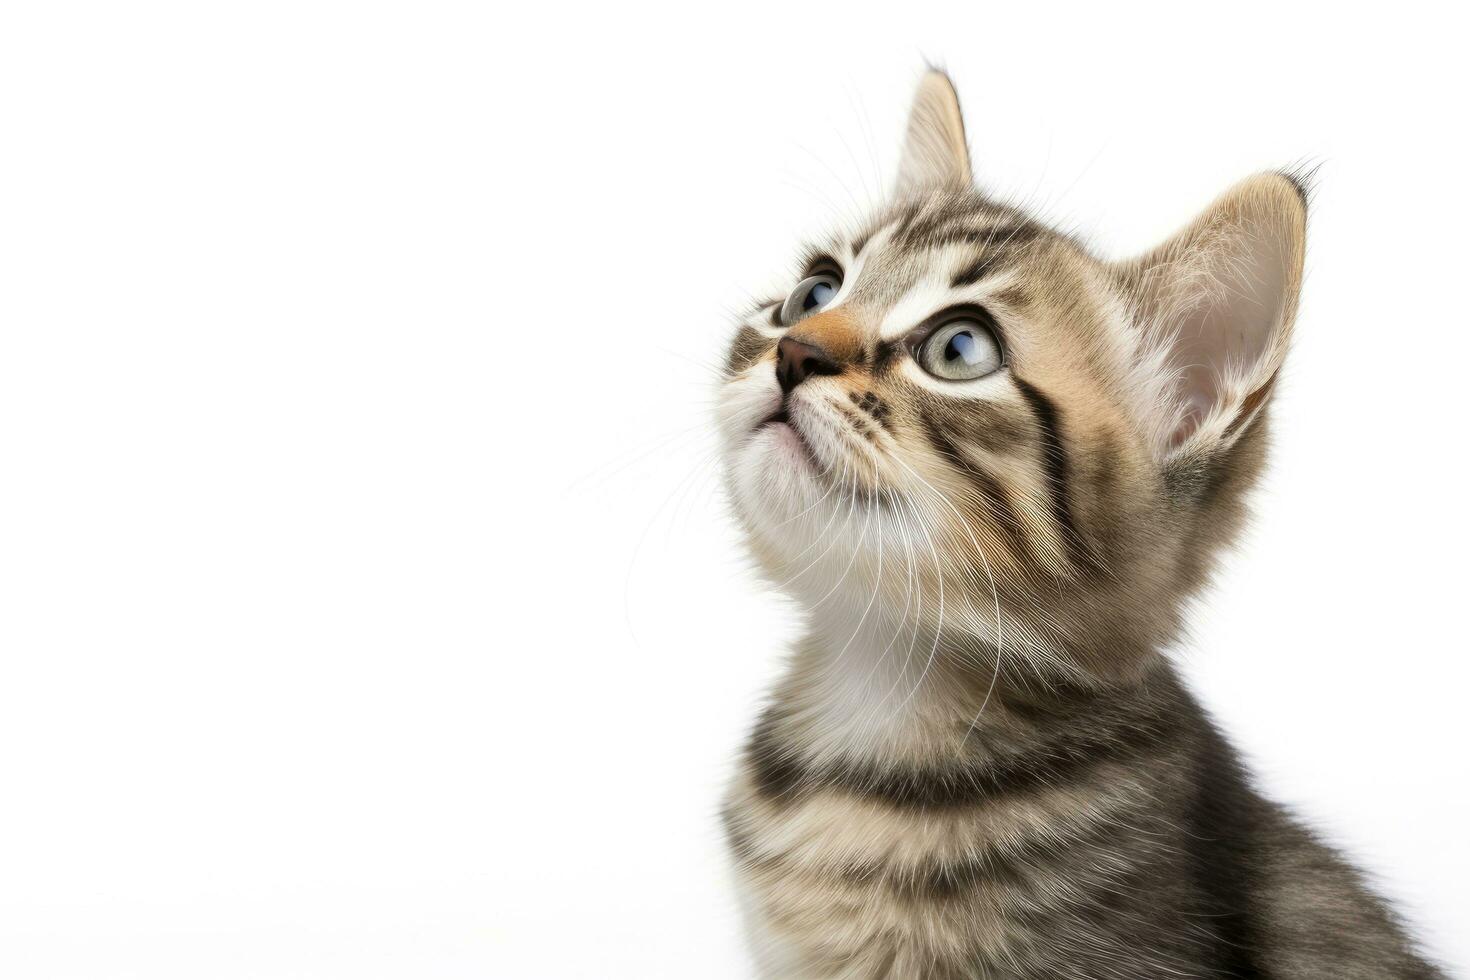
x,y
996,250
1053,459
920,224
975,271
997,237
983,231
996,245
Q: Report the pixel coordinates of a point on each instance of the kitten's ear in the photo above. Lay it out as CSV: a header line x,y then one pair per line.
x,y
1214,306
934,151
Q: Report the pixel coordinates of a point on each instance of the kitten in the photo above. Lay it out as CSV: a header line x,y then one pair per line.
x,y
991,468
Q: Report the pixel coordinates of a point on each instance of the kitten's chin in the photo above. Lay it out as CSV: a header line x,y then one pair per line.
x,y
778,482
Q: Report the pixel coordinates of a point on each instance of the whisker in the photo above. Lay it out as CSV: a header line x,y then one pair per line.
x,y
989,573
622,462
908,595
877,585
817,539
857,550
916,580
939,628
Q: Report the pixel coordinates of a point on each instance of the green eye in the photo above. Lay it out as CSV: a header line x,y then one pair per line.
x,y
960,350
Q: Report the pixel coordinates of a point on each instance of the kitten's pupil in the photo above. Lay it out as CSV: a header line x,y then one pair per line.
x,y
962,346
820,295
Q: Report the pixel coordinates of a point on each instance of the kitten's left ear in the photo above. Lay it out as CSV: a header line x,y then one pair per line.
x,y
1215,306
934,152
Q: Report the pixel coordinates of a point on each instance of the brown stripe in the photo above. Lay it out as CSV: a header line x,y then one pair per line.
x,y
1054,461
1002,514
1070,755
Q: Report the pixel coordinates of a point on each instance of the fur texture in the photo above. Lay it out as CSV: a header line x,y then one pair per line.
x,y
979,764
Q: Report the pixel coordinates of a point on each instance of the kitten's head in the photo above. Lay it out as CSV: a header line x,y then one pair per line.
x,y
959,419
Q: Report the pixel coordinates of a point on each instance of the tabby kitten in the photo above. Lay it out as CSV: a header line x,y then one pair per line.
x,y
991,468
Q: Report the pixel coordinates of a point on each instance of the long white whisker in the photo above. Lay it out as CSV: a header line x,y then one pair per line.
x,y
856,550
877,585
918,613
907,601
989,573
939,628
813,505
817,538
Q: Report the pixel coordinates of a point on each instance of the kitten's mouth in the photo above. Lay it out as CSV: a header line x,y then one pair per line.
x,y
781,418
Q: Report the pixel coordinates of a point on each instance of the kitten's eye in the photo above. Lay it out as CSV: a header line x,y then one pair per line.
x,y
810,295
960,350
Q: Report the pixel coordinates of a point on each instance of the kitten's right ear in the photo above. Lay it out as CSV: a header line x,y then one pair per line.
x,y
934,152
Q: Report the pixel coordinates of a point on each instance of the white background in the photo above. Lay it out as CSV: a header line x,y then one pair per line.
x,y
367,603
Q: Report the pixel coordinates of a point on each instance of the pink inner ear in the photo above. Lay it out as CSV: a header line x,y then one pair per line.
x,y
1196,406
1229,330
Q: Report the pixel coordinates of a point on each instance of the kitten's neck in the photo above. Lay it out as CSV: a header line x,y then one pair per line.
x,y
884,693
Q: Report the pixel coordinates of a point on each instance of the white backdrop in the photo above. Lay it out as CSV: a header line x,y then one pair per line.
x,y
367,605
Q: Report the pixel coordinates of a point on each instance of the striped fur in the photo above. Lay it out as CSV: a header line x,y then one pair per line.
x,y
979,764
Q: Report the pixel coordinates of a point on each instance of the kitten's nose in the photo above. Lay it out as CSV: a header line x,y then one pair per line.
x,y
797,360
